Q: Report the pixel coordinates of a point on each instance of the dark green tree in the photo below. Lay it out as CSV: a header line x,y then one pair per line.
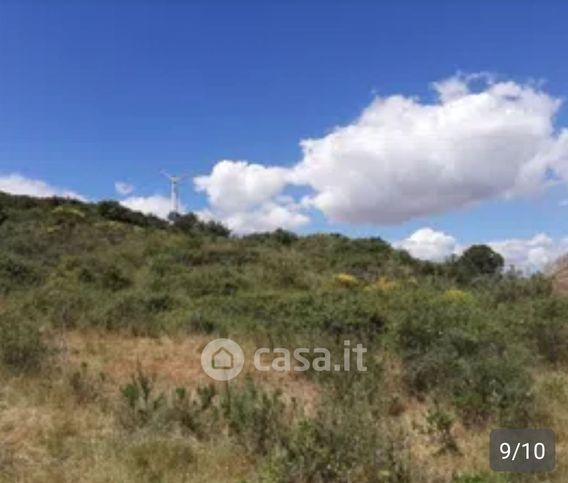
x,y
480,260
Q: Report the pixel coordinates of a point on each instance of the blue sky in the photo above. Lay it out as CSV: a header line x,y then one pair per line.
x,y
92,93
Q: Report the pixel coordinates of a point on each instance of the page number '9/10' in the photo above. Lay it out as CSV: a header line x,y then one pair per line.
x,y
522,450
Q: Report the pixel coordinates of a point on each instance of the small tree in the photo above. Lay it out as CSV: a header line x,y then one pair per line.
x,y
480,260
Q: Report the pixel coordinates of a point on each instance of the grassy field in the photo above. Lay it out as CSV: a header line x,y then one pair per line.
x,y
104,313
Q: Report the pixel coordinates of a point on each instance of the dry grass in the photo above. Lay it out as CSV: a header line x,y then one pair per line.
x,y
173,361
424,448
552,401
50,435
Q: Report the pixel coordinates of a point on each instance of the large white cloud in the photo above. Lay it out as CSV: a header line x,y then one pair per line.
x,y
17,184
246,197
526,254
404,158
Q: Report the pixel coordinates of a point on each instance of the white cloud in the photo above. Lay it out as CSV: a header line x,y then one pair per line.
x,y
526,254
404,159
428,244
247,197
151,205
238,185
532,254
267,217
17,184
123,188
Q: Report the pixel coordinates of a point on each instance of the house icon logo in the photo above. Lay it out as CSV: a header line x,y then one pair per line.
x,y
222,359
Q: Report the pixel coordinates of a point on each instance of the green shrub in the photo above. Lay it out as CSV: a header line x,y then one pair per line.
x,y
550,329
255,418
276,237
224,252
114,211
22,346
139,312
68,216
457,350
344,441
141,402
193,413
203,281
182,411
440,425
95,272
199,323
64,304
190,224
16,273
513,288
324,452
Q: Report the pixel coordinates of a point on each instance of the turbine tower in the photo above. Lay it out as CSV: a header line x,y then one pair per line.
x,y
174,182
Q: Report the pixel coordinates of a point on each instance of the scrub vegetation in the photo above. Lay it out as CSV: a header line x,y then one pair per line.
x,y
104,313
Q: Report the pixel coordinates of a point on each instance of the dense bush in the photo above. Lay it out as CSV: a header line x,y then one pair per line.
x,y
550,329
344,441
277,237
93,272
137,312
22,346
453,347
114,211
255,418
16,273
191,224
68,216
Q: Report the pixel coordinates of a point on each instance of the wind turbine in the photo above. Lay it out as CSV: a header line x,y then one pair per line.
x,y
175,181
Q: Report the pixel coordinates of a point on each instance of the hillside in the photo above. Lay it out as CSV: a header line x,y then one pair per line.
x,y
104,313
